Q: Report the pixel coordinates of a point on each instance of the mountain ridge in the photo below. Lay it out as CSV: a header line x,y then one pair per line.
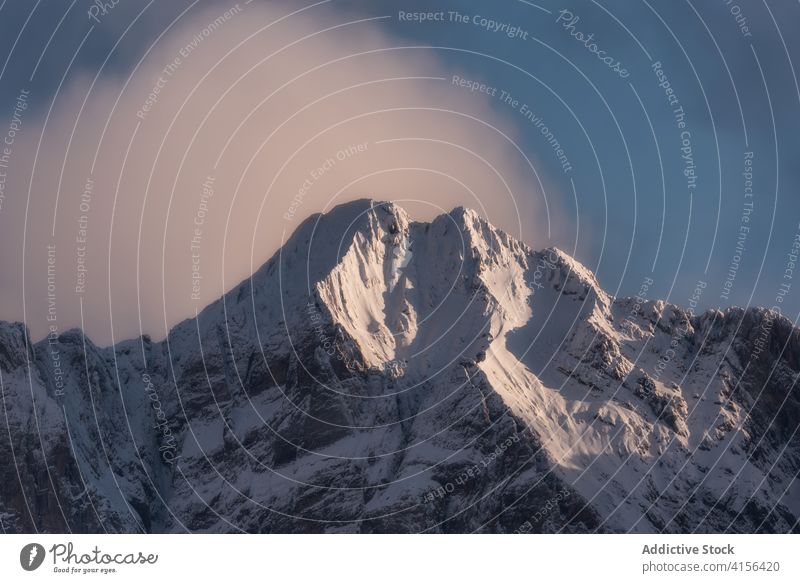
x,y
365,376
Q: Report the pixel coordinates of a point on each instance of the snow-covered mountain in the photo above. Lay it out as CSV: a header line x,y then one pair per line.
x,y
384,375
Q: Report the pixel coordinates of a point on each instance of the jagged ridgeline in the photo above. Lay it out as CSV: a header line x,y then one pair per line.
x,y
383,375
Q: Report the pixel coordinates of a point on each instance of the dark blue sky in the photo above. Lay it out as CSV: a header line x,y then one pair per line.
x,y
637,211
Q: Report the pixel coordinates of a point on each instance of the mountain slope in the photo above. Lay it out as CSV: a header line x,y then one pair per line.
x,y
383,375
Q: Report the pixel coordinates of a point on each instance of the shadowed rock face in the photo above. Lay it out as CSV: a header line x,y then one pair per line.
x,y
382,375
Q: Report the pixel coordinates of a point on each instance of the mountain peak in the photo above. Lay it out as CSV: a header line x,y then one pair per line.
x,y
373,359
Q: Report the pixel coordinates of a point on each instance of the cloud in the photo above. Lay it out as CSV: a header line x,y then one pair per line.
x,y
206,154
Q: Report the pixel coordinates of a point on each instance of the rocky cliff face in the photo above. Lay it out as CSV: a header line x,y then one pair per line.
x,y
383,375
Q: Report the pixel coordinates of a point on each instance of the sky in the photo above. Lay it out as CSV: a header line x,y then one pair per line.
x,y
652,140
